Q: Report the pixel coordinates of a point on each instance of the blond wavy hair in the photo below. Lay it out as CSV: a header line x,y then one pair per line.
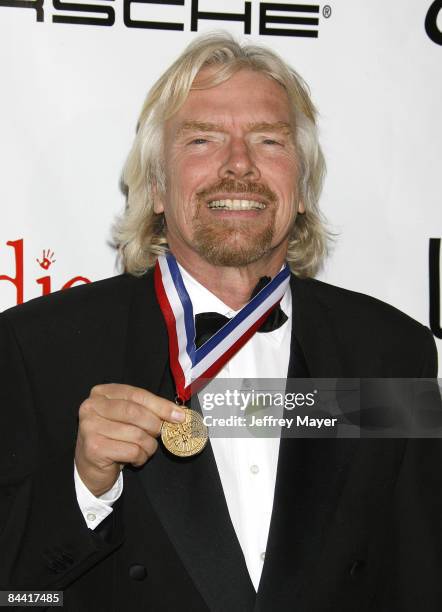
x,y
139,233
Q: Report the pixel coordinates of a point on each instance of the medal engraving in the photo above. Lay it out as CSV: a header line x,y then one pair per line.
x,y
185,439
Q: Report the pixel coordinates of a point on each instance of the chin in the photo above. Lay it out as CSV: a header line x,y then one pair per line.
x,y
232,246
225,254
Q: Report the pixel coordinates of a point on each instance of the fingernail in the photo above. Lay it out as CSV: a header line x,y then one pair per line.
x,y
178,415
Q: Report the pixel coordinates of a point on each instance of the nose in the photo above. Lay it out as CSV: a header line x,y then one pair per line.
x,y
239,163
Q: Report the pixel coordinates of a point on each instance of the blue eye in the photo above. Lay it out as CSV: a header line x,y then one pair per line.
x,y
198,141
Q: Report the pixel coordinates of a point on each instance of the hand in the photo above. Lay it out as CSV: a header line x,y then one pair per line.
x,y
119,424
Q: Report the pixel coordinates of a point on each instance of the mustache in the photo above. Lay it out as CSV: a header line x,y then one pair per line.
x,y
233,186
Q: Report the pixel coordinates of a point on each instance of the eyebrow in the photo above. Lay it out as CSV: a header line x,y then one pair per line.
x,y
262,126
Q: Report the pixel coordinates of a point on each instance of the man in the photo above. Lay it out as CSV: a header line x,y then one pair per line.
x,y
225,173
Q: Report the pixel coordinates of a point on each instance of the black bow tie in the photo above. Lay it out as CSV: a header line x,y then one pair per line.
x,y
208,323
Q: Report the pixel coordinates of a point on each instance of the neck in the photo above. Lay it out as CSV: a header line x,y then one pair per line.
x,y
232,286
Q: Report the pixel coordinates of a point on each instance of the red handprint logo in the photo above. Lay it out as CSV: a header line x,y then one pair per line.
x,y
47,259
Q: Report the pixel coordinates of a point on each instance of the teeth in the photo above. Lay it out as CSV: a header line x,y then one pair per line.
x,y
237,204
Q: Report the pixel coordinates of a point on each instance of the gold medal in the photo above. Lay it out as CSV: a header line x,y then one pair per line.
x,y
185,439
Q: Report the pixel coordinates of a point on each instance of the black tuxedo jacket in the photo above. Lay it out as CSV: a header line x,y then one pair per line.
x,y
356,524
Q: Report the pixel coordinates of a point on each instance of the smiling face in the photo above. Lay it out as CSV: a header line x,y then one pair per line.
x,y
231,173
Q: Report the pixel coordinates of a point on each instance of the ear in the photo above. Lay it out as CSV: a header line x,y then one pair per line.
x,y
158,201
301,207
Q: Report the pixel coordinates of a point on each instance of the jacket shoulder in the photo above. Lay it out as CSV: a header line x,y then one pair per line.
x,y
70,340
360,307
109,293
370,327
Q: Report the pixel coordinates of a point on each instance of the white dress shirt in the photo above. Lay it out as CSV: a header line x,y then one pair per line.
x,y
247,467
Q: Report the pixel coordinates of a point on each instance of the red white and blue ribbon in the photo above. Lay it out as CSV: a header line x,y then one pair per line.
x,y
190,365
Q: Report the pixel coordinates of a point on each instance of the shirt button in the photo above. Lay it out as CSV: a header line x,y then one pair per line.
x,y
254,469
263,556
91,517
137,572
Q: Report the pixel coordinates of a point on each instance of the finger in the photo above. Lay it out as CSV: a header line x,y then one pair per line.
x,y
122,412
116,451
124,432
163,408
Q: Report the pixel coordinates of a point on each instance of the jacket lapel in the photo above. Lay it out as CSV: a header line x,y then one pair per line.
x,y
314,332
186,493
311,472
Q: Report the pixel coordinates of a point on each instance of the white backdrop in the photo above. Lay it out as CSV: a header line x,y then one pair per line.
x,y
71,94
